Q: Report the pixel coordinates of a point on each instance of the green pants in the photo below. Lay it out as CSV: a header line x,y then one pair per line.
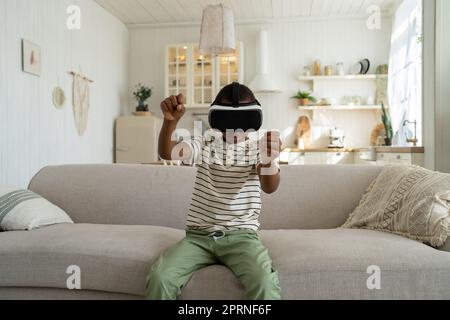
x,y
241,251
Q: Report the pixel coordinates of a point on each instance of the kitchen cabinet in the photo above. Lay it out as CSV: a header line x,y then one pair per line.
x,y
340,158
401,158
200,77
316,158
365,157
293,158
379,156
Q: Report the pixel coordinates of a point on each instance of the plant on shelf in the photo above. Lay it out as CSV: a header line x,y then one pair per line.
x,y
142,94
386,118
304,98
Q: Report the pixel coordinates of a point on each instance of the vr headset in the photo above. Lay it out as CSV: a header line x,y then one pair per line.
x,y
236,116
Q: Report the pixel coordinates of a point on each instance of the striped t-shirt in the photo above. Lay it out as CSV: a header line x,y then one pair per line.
x,y
227,191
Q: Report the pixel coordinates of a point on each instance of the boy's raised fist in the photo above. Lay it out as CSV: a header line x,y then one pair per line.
x,y
173,108
270,146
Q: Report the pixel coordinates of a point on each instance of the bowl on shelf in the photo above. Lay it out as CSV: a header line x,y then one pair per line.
x,y
361,67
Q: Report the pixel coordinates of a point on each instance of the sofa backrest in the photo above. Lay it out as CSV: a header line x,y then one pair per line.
x,y
310,197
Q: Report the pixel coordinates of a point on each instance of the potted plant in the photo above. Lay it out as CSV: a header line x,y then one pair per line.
x,y
386,118
304,98
142,94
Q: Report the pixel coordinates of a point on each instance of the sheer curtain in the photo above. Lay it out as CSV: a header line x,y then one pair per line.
x,y
405,71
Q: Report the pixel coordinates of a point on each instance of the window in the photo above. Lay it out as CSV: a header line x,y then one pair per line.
x,y
405,73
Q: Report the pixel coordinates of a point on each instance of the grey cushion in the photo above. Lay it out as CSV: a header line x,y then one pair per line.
x,y
111,258
118,194
61,294
310,197
321,264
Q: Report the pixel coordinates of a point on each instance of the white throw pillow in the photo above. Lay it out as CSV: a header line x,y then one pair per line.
x,y
25,210
409,201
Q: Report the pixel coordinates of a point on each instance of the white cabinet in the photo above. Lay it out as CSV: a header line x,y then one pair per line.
x,y
137,140
315,158
368,157
200,77
358,157
401,158
340,158
177,64
203,78
293,158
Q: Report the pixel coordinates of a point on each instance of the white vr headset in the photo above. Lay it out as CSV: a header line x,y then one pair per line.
x,y
236,116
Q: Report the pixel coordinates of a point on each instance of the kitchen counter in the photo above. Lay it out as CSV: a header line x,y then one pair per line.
x,y
323,150
400,149
407,150
369,156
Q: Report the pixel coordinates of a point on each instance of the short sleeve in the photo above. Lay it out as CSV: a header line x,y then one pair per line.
x,y
195,144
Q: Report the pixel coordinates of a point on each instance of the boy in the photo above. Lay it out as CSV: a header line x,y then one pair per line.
x,y
223,217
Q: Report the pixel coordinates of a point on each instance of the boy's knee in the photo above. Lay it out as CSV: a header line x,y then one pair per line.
x,y
161,286
267,280
158,276
263,285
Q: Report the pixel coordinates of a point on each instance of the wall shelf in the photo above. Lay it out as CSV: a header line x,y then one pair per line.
x,y
339,108
345,77
348,77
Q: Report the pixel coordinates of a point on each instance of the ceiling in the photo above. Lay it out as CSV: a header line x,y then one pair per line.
x,y
136,12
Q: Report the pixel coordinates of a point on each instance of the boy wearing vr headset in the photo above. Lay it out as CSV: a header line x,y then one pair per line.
x,y
223,217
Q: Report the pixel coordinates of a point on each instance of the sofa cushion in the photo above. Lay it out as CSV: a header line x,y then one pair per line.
x,y
26,210
137,194
409,201
313,264
111,258
334,264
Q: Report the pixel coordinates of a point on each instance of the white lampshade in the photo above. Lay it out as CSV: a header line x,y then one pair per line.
x,y
217,35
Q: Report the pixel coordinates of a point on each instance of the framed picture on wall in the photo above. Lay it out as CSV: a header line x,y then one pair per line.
x,y
31,58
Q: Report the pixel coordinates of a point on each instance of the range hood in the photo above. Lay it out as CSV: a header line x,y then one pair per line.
x,y
263,82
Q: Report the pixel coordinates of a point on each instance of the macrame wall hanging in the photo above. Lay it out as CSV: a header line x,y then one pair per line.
x,y
81,101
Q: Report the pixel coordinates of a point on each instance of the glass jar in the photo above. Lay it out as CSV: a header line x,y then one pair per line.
x,y
317,68
306,71
340,69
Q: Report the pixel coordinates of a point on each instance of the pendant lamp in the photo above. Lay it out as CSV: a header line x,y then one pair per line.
x,y
217,34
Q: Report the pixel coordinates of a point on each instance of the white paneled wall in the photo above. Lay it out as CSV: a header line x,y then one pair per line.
x,y
443,87
292,46
3,79
33,133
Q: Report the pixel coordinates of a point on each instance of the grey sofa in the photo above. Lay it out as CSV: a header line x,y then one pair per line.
x,y
126,216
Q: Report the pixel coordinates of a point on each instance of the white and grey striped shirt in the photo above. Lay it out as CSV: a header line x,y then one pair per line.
x,y
227,191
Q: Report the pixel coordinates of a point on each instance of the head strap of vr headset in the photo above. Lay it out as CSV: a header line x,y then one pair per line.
x,y
236,94
236,98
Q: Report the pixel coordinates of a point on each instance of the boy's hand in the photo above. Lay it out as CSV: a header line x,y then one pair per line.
x,y
173,108
268,170
270,147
